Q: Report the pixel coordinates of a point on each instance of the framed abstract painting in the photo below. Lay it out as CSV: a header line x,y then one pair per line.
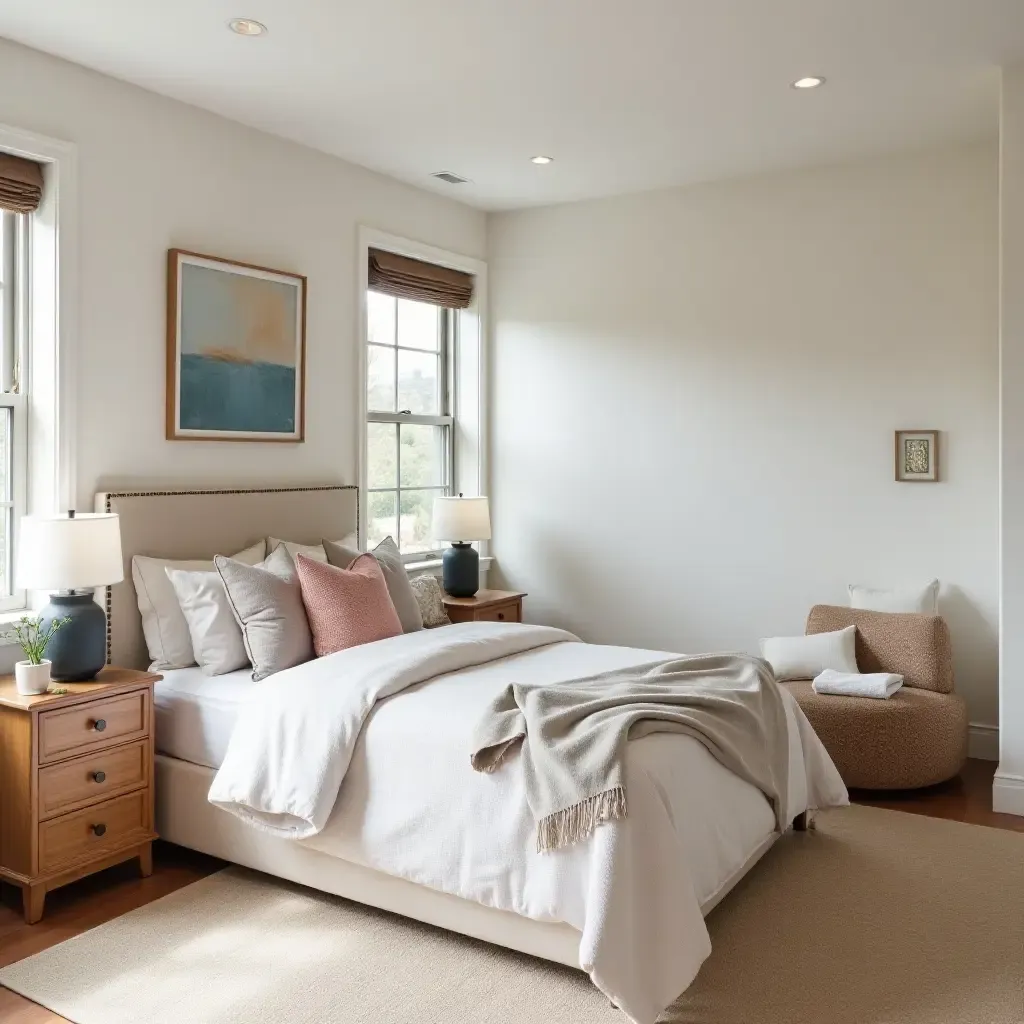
x,y
236,350
917,456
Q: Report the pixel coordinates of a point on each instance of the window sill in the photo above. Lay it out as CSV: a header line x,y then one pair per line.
x,y
7,620
433,566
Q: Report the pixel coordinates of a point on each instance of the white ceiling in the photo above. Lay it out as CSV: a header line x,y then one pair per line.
x,y
625,94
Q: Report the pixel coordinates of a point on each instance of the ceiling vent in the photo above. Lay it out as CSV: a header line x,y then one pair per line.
x,y
452,179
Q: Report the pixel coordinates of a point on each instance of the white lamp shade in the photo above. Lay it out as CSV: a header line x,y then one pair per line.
x,y
64,553
461,519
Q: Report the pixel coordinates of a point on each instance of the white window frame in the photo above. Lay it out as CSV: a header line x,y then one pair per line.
x,y
44,408
448,328
15,247
465,378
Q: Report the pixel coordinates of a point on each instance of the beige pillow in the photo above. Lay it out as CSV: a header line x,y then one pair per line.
x,y
163,622
427,591
267,604
314,551
389,559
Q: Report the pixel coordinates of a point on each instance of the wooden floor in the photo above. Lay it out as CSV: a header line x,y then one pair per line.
x,y
966,798
92,901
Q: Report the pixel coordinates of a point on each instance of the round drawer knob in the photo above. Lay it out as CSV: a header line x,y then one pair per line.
x,y
99,830
501,616
100,724
99,776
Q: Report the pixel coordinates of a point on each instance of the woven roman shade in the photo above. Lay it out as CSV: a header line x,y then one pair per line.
x,y
407,278
21,184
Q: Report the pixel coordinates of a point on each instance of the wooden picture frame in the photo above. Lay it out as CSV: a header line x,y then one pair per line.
x,y
236,350
917,456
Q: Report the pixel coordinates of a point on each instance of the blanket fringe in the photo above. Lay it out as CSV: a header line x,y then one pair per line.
x,y
574,824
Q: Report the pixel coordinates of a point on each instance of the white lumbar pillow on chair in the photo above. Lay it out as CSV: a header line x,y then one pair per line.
x,y
804,657
923,600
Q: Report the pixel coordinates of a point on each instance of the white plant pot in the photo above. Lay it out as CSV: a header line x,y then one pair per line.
x,y
32,679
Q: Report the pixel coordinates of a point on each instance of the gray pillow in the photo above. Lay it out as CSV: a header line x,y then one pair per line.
x,y
399,588
267,604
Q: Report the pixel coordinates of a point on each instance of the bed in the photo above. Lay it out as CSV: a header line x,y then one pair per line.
x,y
431,844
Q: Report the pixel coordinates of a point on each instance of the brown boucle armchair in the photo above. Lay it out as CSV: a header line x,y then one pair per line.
x,y
917,737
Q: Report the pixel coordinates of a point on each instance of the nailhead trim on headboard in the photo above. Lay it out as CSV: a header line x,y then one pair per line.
x,y
203,490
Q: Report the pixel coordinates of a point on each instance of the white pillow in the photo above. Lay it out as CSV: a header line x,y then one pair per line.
x,y
163,622
216,636
923,600
804,657
314,551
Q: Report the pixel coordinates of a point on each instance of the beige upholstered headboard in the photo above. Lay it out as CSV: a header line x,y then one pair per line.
x,y
203,523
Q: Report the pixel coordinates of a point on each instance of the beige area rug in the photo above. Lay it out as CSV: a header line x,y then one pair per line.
x,y
877,917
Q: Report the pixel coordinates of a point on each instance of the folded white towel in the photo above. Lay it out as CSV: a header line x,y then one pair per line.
x,y
855,684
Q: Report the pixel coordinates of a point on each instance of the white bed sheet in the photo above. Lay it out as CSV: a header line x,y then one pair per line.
x,y
196,713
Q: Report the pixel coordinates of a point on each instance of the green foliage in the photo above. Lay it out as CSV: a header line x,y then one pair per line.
x,y
32,638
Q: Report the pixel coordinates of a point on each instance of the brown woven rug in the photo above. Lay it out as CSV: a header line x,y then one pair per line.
x,y
878,917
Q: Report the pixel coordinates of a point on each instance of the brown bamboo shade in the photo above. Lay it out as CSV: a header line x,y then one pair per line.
x,y
21,184
407,278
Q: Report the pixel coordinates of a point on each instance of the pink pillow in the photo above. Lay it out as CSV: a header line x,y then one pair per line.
x,y
346,607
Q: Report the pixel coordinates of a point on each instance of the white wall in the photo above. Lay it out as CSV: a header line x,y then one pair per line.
x,y
1008,792
695,393
154,174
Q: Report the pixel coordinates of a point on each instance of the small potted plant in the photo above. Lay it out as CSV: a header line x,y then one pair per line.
x,y
32,676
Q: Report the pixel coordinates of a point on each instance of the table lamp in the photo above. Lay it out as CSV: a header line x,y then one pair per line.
x,y
461,520
73,555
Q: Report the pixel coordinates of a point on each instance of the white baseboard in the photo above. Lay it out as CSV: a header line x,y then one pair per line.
x,y
983,741
1008,794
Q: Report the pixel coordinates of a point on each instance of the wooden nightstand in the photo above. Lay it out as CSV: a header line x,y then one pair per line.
x,y
76,781
485,606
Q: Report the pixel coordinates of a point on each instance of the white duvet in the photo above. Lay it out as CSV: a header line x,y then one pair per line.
x,y
365,755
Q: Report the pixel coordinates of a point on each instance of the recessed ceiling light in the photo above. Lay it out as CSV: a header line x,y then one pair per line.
x,y
810,82
247,27
541,159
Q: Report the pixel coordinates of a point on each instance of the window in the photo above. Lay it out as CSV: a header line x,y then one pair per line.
x,y
422,433
410,423
15,229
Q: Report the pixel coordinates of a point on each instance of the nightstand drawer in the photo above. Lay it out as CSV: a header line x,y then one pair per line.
x,y
97,776
87,834
100,723
510,612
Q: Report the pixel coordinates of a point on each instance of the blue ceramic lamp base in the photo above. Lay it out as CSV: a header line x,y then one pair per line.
x,y
78,649
460,570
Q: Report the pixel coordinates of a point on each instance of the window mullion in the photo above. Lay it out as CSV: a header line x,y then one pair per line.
x,y
413,419
443,367
451,358
395,343
398,477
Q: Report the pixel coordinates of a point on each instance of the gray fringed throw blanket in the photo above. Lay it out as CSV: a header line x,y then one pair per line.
x,y
572,736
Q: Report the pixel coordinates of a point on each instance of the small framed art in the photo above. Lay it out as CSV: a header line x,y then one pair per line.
x,y
236,350
917,456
